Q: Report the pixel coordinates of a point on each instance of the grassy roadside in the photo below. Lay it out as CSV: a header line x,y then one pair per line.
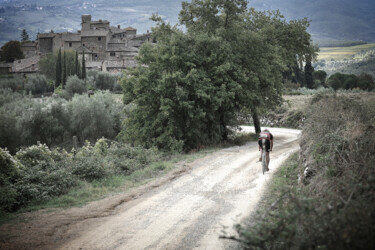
x,y
331,206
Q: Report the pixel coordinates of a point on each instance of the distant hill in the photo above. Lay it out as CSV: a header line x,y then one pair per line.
x,y
331,19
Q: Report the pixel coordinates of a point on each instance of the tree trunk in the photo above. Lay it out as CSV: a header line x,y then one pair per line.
x,y
256,121
224,131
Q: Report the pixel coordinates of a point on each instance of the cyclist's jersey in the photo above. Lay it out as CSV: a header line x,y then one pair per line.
x,y
265,135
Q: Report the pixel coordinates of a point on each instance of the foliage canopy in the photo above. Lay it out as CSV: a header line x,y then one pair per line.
x,y
11,51
195,82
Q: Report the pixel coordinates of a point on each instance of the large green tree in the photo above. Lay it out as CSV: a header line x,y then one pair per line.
x,y
195,82
11,51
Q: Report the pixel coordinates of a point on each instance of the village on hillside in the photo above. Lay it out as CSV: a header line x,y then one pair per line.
x,y
106,48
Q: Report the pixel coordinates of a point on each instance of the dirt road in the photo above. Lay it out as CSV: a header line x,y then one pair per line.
x,y
186,209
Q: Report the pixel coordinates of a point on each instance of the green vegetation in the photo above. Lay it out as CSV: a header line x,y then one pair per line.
x,y
331,205
343,81
55,120
104,81
196,82
37,174
24,36
37,177
11,51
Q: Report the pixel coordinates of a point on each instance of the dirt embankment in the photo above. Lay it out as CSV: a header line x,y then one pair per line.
x,y
188,208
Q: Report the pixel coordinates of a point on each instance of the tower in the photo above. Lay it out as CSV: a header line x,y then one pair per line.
x,y
86,20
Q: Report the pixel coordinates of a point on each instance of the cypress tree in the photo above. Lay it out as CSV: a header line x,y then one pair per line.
x,y
64,70
309,69
58,70
24,36
83,66
76,65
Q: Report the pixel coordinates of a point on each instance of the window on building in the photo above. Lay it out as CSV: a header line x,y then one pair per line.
x,y
99,38
70,44
112,54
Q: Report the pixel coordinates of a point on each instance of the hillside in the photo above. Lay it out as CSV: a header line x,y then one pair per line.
x,y
349,60
330,19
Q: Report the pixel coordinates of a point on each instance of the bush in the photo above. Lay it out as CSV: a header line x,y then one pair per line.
x,y
345,81
104,80
36,84
54,120
74,85
14,83
33,175
36,174
9,172
127,159
9,131
94,117
333,206
7,96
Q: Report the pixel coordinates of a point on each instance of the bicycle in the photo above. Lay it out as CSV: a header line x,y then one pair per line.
x,y
264,158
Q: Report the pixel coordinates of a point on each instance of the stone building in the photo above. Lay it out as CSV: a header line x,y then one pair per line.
x,y
106,48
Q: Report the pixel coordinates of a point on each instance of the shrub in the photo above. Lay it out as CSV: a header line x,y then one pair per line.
x,y
127,159
13,83
36,84
94,117
74,85
332,207
89,168
320,76
7,96
104,80
43,181
9,131
101,147
32,176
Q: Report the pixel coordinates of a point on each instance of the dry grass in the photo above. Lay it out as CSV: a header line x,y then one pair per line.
x,y
341,53
297,102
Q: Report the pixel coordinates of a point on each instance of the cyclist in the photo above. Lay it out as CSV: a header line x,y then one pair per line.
x,y
266,134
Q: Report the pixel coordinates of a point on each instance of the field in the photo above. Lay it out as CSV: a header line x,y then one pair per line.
x,y
342,53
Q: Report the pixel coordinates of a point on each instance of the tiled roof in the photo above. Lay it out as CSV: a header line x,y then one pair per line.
x,y
116,30
130,28
30,64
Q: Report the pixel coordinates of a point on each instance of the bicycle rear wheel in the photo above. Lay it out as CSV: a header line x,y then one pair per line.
x,y
264,161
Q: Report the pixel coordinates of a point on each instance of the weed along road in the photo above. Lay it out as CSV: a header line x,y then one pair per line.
x,y
187,209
